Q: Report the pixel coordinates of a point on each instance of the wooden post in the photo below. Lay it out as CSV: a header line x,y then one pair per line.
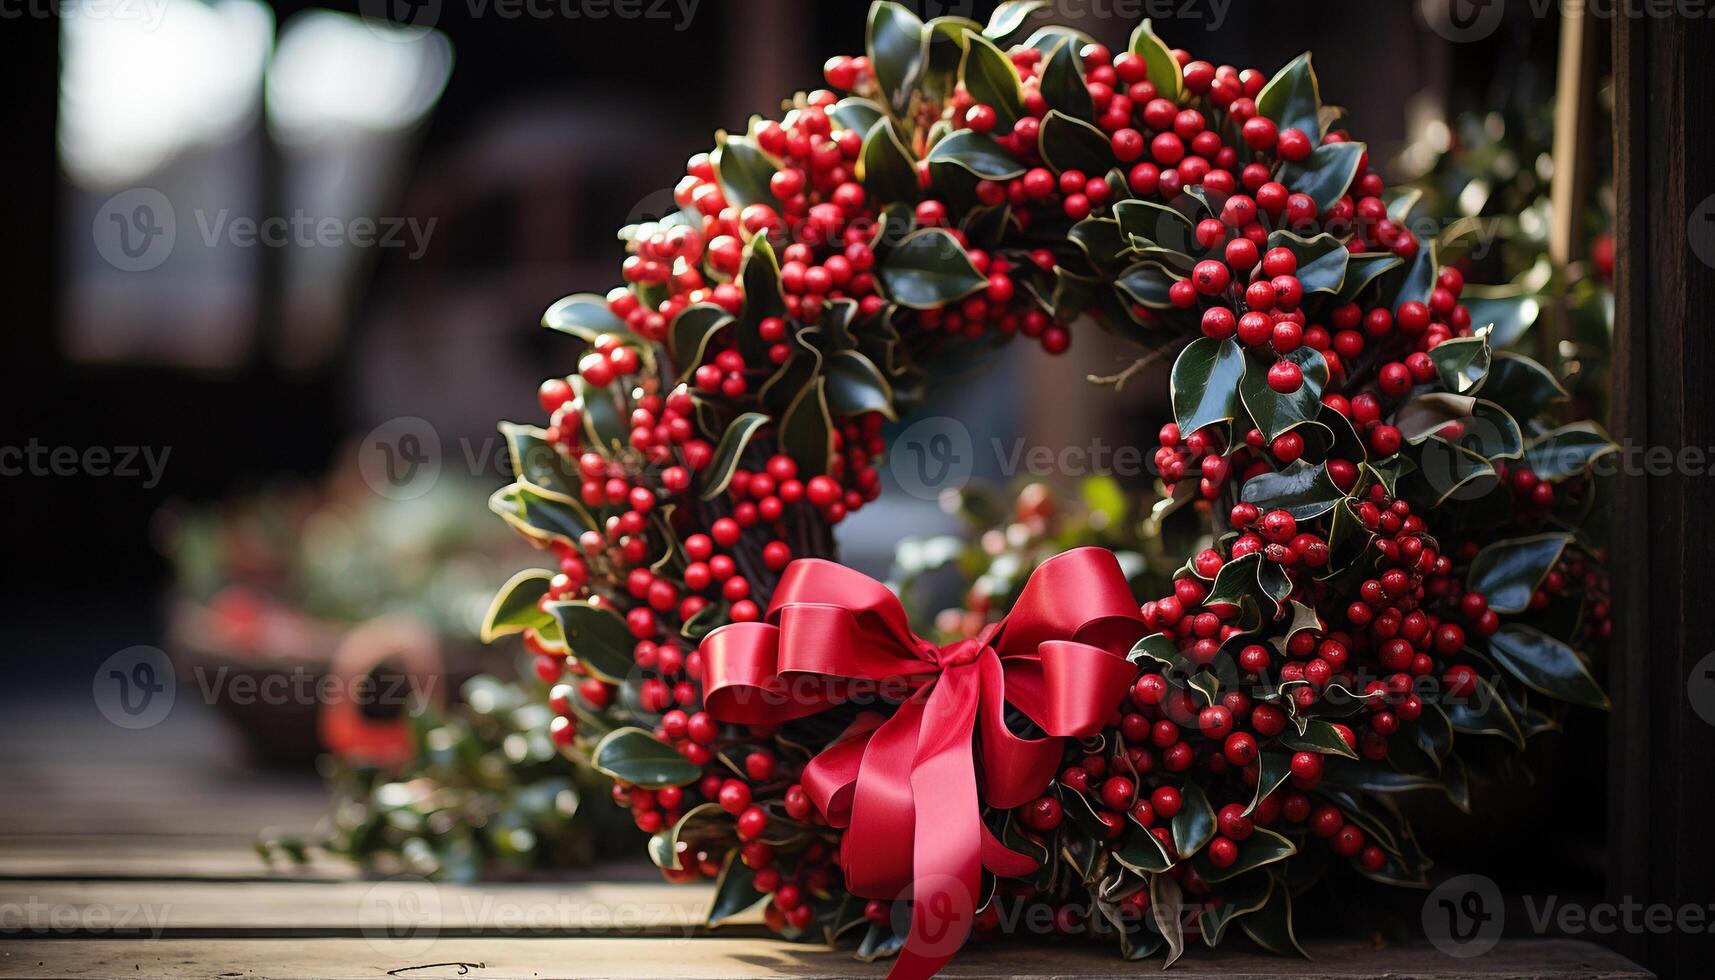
x,y
1661,789
1574,170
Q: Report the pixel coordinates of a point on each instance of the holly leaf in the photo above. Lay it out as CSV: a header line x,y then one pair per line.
x,y
1271,926
1321,260
856,113
540,518
991,79
1149,223
539,464
1009,19
1543,663
584,316
634,756
1273,768
929,270
1205,383
1293,99
1063,83
1508,572
885,166
1363,269
1320,737
977,153
1567,451
807,429
1194,824
1461,363
1520,385
688,338
1509,310
1147,283
1326,174
1073,144
760,275
1303,490
1164,71
855,386
514,608
1483,712
743,171
718,474
598,637
1143,853
705,820
898,50
1166,905
1261,848
1273,412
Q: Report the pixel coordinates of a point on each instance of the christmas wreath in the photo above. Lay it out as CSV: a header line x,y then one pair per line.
x,y
1389,591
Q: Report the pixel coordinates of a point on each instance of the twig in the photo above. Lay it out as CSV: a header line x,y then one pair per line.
x,y
464,968
1119,380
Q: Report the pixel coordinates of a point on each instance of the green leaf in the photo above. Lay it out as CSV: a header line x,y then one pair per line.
x,y
1273,769
1143,853
1483,712
1543,663
735,892
885,166
1302,490
1194,824
1147,284
1567,451
1434,734
856,113
1461,363
1240,896
584,316
1205,383
743,171
718,474
1508,572
1509,309
538,517
1073,144
1147,222
1167,908
603,428
1522,386
1427,414
1262,847
1271,926
1164,71
634,756
1321,260
760,275
1320,737
1293,99
807,429
898,50
1273,412
688,338
992,80
1326,174
1009,19
598,637
1063,84
977,153
928,270
856,386
1417,280
515,608
1101,240
705,820
1363,269
539,464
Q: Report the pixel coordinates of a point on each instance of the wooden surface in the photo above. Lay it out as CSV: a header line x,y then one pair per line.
x,y
129,854
1660,793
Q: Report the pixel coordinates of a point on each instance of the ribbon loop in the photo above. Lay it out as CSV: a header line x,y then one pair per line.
x,y
909,788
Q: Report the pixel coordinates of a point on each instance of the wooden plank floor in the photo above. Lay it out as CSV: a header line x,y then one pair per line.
x,y
129,854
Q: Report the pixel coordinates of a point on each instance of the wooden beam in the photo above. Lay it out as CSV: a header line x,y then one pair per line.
x,y
1660,792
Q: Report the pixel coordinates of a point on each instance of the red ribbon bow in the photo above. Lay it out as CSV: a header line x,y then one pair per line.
x,y
906,788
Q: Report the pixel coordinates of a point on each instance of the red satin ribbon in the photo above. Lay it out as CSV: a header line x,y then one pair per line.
x,y
907,787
